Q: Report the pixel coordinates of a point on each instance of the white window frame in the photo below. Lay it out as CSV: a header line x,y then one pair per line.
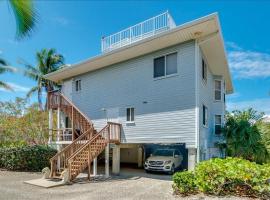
x,y
204,79
130,117
217,90
205,117
165,65
215,123
79,81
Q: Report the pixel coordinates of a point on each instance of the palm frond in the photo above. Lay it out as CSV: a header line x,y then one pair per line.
x,y
28,66
26,17
4,69
3,62
5,86
32,91
31,75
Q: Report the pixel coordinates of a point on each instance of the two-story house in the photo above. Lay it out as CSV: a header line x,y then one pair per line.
x,y
157,82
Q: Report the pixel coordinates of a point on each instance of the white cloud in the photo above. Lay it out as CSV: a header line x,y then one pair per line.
x,y
248,64
16,88
235,95
262,105
233,45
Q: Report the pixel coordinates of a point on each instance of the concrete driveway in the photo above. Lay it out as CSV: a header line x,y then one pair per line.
x,y
131,184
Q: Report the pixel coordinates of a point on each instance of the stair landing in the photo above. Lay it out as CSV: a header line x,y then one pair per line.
x,y
45,183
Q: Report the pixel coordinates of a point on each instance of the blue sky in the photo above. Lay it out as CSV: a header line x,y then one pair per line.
x,y
75,28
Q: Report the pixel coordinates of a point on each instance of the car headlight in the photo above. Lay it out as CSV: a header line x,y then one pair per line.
x,y
167,162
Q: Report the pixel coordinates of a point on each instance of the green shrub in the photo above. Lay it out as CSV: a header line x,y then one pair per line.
x,y
26,158
226,176
184,182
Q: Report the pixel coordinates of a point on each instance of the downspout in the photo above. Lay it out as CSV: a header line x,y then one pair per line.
x,y
197,119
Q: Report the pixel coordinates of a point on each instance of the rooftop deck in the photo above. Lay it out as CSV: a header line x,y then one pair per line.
x,y
147,28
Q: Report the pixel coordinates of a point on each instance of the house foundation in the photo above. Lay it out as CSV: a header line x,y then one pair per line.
x,y
192,157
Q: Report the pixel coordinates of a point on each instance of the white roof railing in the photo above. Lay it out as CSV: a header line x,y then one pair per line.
x,y
138,32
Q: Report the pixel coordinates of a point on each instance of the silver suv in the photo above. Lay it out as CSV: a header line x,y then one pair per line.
x,y
165,160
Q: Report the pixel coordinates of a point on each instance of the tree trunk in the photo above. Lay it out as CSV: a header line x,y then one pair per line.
x,y
40,100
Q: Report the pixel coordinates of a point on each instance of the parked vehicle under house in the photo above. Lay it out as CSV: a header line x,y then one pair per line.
x,y
157,83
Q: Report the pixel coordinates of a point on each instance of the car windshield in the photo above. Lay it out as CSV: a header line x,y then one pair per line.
x,y
163,152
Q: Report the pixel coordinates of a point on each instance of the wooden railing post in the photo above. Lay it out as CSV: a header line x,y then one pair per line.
x,y
72,123
50,125
58,123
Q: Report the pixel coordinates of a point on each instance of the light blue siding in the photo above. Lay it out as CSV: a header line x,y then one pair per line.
x,y
164,108
206,97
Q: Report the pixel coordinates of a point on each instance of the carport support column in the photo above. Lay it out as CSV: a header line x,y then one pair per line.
x,y
192,154
140,157
116,160
95,167
107,162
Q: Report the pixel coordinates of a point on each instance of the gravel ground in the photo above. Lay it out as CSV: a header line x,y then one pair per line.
x,y
131,184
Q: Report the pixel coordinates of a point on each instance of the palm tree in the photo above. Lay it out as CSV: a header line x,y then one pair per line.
x,y
243,137
47,61
5,68
26,17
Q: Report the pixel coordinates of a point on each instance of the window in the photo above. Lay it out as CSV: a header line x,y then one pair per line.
x,y
165,65
205,115
217,124
78,86
171,64
159,67
217,90
224,94
130,114
204,70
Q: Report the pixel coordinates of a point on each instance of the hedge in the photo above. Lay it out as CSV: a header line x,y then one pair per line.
x,y
26,158
217,176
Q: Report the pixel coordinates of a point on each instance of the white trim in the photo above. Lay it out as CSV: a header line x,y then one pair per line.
x,y
216,100
127,121
197,114
217,124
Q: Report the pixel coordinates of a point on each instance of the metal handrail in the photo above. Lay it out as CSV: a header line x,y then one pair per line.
x,y
149,27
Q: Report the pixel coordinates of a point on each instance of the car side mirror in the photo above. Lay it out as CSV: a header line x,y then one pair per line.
x,y
176,156
151,154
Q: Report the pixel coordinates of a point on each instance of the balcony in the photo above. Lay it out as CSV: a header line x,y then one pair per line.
x,y
145,29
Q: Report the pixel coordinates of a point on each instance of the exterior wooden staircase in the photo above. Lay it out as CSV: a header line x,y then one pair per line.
x,y
86,144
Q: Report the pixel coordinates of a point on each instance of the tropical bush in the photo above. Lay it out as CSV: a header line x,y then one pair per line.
x,y
225,176
184,182
22,125
244,138
26,158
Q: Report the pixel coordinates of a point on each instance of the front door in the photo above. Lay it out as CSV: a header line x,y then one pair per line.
x,y
112,115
